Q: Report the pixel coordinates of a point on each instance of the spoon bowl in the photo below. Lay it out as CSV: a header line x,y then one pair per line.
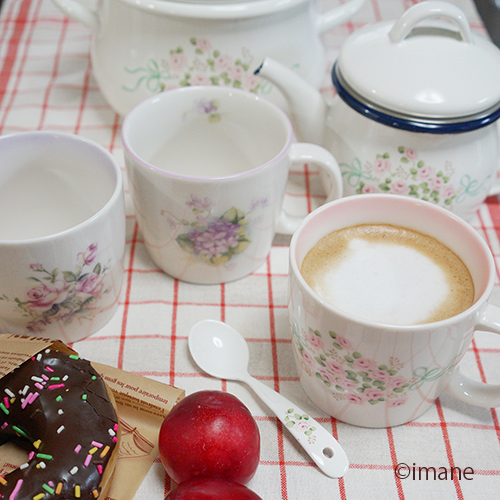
x,y
222,352
219,351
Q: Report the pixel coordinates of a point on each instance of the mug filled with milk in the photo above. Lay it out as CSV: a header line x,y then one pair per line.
x,y
385,294
62,235
208,167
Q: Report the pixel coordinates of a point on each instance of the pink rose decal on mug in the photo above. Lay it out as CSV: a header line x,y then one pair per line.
x,y
62,296
347,373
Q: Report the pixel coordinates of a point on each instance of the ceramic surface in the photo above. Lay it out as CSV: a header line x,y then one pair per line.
x,y
375,375
201,227
411,125
63,283
141,48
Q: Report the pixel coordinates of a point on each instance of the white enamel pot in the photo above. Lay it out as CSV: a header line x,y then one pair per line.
x,y
416,110
140,47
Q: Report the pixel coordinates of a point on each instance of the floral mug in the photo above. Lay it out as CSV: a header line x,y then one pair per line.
x,y
62,235
372,374
208,168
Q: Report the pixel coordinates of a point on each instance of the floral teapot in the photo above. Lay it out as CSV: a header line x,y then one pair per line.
x,y
141,47
416,109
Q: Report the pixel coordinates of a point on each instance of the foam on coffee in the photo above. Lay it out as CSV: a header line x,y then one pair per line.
x,y
389,274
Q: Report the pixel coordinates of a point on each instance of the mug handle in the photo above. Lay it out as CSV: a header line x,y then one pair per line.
x,y
331,178
471,391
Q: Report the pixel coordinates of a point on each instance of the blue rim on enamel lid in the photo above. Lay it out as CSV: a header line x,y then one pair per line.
x,y
426,72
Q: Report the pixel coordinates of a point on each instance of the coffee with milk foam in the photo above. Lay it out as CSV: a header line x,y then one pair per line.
x,y
388,274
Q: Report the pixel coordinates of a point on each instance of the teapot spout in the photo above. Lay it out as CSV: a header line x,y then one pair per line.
x,y
308,109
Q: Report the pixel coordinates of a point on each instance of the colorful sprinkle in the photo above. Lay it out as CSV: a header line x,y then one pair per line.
x,y
9,393
48,489
2,480
44,456
104,452
77,490
4,425
59,398
95,493
16,489
39,496
95,443
74,356
74,470
55,386
93,450
24,466
19,431
39,386
49,369
59,488
2,406
99,469
87,460
60,411
78,448
36,379
84,397
60,429
37,443
41,465
44,377
6,402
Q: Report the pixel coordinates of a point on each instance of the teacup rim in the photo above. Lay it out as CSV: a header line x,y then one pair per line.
x,y
117,191
479,301
199,89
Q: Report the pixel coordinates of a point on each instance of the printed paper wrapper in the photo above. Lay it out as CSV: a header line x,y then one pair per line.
x,y
142,406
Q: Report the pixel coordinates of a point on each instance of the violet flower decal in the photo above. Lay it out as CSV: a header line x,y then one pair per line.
x,y
213,239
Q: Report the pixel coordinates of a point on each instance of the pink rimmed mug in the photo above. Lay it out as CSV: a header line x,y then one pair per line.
x,y
62,235
372,374
208,168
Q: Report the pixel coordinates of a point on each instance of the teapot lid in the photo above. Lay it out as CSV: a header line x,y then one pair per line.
x,y
432,71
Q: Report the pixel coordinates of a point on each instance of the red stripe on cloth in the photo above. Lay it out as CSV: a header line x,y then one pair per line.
x,y
479,363
447,445
129,272
307,184
279,426
20,23
222,302
55,70
394,460
173,338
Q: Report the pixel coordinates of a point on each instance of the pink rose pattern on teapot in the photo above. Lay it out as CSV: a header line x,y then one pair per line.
x,y
406,174
196,64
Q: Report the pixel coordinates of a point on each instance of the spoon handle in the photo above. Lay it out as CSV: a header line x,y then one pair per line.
x,y
320,445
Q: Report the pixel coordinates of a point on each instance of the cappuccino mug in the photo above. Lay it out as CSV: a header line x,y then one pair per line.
x,y
385,365
62,235
208,168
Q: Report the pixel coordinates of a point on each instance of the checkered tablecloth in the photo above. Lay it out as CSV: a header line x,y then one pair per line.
x,y
46,82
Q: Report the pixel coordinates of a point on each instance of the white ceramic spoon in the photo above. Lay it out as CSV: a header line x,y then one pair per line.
x,y
222,352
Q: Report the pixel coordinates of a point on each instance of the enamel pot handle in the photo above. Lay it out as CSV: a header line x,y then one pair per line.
x,y
471,391
331,178
429,10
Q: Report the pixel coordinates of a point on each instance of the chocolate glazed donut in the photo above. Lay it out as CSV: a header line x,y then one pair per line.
x,y
58,408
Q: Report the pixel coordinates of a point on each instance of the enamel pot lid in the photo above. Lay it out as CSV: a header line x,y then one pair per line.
x,y
426,72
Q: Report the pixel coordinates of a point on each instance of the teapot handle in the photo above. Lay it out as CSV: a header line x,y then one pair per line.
x,y
338,15
431,9
77,11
